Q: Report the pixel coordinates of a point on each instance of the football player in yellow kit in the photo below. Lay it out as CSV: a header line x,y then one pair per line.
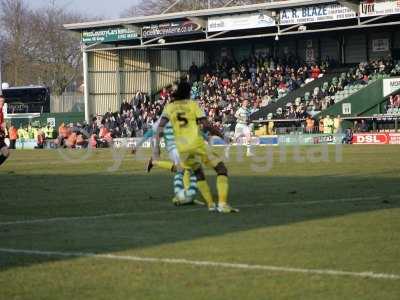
x,y
188,120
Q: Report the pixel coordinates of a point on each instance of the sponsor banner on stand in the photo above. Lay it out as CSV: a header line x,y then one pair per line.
x,y
170,29
390,85
240,21
370,139
371,8
108,35
131,142
315,13
311,139
22,144
394,138
269,140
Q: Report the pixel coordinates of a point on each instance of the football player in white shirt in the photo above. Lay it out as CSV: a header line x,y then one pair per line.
x,y
243,129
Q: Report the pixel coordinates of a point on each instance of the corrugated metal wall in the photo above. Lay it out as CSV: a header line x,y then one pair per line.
x,y
134,73
355,48
330,48
286,46
165,68
117,75
396,42
187,57
103,67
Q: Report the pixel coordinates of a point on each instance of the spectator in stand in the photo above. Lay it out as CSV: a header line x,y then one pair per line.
x,y
310,123
71,140
125,107
63,134
81,142
394,101
364,126
165,97
337,123
315,72
93,141
348,138
193,73
13,136
41,138
22,134
328,125
321,126
93,128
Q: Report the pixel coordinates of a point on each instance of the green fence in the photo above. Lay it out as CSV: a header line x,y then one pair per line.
x,y
54,118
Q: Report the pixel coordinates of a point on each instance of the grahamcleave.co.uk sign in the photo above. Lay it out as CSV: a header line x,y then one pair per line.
x,y
171,28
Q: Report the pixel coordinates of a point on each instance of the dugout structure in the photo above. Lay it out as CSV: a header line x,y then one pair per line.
x,y
126,55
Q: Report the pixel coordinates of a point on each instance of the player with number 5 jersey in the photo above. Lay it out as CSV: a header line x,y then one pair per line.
x,y
188,120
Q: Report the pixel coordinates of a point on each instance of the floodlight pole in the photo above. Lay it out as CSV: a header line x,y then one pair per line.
x,y
86,83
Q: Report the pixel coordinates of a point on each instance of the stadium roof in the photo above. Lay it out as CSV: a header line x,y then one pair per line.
x,y
196,13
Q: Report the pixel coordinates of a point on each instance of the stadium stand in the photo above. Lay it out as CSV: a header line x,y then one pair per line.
x,y
283,88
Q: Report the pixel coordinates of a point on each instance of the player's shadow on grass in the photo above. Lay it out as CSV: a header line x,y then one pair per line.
x,y
142,197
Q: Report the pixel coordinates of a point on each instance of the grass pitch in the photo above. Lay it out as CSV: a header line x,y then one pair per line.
x,y
302,226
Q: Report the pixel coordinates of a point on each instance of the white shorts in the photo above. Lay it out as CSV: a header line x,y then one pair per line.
x,y
174,156
242,130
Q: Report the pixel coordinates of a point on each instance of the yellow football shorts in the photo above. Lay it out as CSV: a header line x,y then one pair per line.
x,y
197,157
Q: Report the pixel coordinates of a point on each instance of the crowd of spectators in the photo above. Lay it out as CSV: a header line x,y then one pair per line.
x,y
260,80
31,131
221,87
323,97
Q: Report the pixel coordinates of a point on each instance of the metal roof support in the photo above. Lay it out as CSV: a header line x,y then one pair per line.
x,y
152,40
217,34
84,48
289,28
372,20
171,6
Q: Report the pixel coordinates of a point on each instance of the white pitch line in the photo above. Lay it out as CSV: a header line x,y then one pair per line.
x,y
328,201
105,216
167,211
200,263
